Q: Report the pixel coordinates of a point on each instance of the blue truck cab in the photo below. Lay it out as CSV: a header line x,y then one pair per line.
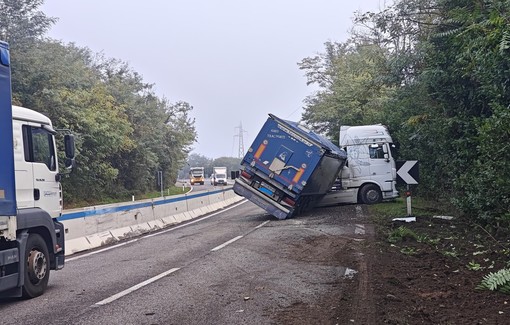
x,y
288,168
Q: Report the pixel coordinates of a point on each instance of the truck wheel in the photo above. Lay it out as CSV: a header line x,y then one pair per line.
x,y
37,268
370,194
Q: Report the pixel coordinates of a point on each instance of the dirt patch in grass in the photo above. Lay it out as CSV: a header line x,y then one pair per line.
x,y
427,272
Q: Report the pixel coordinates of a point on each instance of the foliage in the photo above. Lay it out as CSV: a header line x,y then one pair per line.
x,y
22,21
400,234
409,250
125,133
351,91
473,266
439,71
498,281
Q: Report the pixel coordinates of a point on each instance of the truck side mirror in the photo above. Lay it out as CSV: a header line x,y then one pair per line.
x,y
69,146
69,151
386,154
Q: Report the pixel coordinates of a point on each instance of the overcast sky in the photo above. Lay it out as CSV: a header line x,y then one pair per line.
x,y
234,61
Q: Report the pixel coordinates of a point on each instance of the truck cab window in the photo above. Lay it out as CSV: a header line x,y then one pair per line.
x,y
376,151
39,146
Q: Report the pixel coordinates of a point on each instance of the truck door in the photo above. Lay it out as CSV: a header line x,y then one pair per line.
x,y
358,161
380,165
39,150
23,167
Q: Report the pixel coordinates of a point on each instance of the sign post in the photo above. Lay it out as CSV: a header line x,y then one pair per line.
x,y
160,181
408,173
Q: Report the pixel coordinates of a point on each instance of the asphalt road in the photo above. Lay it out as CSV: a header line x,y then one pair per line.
x,y
236,266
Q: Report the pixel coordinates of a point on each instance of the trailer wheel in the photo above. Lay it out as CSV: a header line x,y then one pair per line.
x,y
37,268
370,194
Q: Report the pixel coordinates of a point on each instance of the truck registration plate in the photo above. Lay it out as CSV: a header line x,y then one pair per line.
x,y
266,189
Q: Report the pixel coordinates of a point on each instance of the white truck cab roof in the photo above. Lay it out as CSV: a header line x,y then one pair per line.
x,y
364,134
25,114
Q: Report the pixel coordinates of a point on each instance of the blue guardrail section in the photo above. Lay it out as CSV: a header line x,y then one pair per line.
x,y
107,210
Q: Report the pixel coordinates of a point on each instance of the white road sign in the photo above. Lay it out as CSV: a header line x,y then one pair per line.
x,y
408,171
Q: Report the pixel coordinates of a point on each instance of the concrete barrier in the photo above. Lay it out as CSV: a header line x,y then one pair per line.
x,y
92,227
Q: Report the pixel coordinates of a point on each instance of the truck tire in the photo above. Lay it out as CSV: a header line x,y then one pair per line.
x,y
370,194
37,268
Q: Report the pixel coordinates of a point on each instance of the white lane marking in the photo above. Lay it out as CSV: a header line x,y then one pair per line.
x,y
359,229
134,288
226,243
262,224
155,234
237,238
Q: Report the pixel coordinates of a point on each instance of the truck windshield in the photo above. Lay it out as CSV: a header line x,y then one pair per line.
x,y
221,176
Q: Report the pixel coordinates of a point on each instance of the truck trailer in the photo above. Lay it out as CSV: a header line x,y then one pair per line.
x,y
31,238
288,168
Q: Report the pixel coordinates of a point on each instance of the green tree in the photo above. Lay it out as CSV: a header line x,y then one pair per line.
x,y
22,22
471,65
181,134
450,107
103,132
125,133
350,89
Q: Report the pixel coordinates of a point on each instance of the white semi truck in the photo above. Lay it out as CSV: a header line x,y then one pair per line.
x,y
31,238
369,175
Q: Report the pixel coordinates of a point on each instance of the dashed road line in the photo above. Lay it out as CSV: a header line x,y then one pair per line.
x,y
164,274
238,237
226,243
133,288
